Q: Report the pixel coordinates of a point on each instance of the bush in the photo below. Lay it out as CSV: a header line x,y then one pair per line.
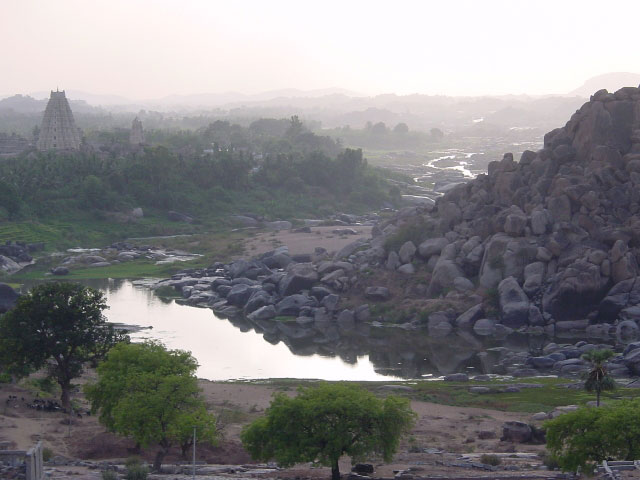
x,y
47,453
137,472
488,459
417,232
549,461
109,475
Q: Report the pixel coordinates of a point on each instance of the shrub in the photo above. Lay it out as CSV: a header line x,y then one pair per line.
x,y
109,475
417,232
137,472
489,459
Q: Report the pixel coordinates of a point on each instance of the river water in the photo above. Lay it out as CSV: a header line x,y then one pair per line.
x,y
229,349
222,350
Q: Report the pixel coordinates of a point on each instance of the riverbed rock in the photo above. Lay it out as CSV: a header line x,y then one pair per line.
x,y
292,304
239,294
263,313
300,276
60,271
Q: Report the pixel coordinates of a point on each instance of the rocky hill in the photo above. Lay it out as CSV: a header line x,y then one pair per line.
x,y
557,232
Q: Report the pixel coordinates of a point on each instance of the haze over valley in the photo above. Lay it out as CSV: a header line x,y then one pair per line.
x,y
348,240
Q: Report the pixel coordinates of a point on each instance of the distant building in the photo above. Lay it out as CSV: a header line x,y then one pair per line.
x,y
58,131
137,134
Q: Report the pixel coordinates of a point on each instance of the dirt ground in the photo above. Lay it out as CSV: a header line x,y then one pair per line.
x,y
300,243
440,437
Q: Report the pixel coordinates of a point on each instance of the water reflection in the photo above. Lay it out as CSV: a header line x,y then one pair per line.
x,y
240,349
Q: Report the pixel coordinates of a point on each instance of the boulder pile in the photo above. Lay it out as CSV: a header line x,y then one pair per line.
x,y
552,239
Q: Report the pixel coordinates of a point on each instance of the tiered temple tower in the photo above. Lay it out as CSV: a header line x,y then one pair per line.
x,y
136,137
58,131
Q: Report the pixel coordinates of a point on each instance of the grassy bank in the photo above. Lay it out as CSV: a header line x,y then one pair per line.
x,y
554,392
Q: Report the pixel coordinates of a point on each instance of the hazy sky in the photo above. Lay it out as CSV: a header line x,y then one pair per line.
x,y
145,49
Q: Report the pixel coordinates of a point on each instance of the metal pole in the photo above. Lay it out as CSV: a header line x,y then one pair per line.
x,y
194,452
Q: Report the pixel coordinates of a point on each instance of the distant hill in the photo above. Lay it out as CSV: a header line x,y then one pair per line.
x,y
610,81
23,104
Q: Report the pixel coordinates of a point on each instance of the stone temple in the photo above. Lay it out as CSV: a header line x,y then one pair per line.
x,y
58,130
136,137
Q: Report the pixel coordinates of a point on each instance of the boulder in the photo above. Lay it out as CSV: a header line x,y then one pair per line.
x,y
263,313
393,261
444,273
407,269
484,327
514,303
300,276
515,224
432,246
377,293
60,270
406,252
291,305
575,292
239,294
468,318
518,432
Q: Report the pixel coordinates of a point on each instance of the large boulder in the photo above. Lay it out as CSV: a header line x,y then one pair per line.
x,y
518,432
300,276
406,252
432,246
8,297
514,303
575,292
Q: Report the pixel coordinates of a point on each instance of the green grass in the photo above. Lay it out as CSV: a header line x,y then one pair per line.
x,y
528,400
133,269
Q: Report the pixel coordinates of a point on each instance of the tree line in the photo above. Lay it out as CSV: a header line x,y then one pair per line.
x,y
190,171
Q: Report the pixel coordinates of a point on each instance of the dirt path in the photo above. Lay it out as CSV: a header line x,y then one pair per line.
x,y
300,243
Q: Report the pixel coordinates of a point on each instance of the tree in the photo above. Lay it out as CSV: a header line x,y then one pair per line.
x,y
151,394
323,423
60,325
585,437
401,128
598,379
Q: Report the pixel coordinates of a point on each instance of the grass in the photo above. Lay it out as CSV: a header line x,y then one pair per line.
x,y
528,400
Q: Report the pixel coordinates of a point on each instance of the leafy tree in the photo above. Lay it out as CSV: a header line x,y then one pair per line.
x,y
401,128
323,423
436,134
151,394
581,439
598,379
60,325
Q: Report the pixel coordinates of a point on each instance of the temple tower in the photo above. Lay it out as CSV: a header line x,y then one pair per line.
x,y
136,137
58,131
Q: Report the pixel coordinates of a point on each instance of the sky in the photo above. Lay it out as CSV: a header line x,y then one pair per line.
x,y
144,49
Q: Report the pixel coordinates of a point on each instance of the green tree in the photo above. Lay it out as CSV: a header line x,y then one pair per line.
x,y
60,325
598,379
150,394
323,423
581,439
401,128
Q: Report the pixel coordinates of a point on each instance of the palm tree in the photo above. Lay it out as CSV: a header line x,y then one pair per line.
x,y
598,379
